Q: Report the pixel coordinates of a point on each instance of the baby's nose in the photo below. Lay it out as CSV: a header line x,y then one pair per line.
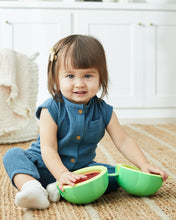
x,y
80,83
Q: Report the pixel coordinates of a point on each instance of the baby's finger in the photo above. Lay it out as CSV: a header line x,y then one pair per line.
x,y
80,177
155,171
83,177
61,187
164,175
71,182
67,182
145,171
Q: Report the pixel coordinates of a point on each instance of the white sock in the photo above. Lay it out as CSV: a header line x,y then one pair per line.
x,y
53,192
32,196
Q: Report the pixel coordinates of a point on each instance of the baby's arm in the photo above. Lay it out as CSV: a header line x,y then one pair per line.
x,y
49,151
130,149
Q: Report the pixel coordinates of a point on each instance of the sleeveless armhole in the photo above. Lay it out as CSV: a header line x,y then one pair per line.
x,y
53,109
107,112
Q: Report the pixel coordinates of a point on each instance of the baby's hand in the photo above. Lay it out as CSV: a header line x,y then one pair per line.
x,y
148,168
69,178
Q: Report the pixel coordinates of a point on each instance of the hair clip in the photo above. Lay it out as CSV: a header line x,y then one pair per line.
x,y
53,55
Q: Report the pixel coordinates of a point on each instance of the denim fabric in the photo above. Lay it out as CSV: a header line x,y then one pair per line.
x,y
80,128
17,160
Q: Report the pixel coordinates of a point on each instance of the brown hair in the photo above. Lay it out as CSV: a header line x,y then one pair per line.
x,y
85,52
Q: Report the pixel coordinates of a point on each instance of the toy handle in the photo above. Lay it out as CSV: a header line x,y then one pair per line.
x,y
113,174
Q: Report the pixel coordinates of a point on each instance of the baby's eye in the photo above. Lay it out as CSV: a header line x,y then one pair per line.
x,y
88,76
70,76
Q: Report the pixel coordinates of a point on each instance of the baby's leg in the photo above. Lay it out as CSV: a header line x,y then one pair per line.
x,y
20,179
23,174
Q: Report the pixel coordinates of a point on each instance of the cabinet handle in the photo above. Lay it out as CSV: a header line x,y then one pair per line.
x,y
140,24
6,22
151,24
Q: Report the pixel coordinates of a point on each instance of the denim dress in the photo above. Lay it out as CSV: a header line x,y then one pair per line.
x,y
80,128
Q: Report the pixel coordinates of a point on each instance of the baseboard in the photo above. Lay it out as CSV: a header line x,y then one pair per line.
x,y
146,116
124,121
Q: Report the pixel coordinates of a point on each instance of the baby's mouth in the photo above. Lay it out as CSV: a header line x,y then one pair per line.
x,y
80,92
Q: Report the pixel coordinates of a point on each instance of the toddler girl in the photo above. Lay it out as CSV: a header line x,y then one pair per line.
x,y
72,123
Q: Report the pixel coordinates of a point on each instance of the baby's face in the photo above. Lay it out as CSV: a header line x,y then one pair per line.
x,y
78,85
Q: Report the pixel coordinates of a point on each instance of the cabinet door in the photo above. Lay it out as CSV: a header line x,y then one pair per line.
x,y
30,31
122,36
160,66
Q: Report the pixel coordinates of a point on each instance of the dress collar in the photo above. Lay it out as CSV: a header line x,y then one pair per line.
x,y
75,106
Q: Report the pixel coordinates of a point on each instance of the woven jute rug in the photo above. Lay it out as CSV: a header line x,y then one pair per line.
x,y
159,145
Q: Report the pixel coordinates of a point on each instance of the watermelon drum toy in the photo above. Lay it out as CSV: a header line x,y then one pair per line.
x,y
136,182
130,178
87,190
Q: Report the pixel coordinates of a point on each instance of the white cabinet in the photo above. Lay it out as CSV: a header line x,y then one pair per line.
x,y
29,31
141,51
160,63
139,43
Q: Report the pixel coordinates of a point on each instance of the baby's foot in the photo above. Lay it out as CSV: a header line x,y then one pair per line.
x,y
53,192
32,196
